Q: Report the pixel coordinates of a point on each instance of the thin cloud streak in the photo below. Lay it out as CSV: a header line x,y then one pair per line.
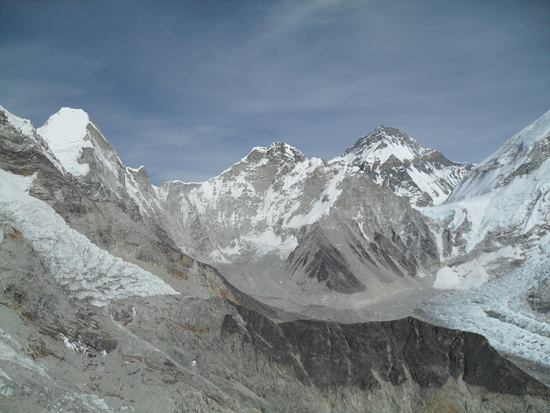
x,y
190,88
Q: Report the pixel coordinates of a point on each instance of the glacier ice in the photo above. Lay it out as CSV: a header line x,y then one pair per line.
x,y
78,265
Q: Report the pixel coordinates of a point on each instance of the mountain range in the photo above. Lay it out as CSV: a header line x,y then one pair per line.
x,y
283,284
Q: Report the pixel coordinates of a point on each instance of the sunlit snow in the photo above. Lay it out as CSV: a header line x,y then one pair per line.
x,y
78,265
66,134
25,126
499,311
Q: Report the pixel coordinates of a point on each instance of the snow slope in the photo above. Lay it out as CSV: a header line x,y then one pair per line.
x,y
83,269
521,155
66,134
254,207
24,125
393,159
500,212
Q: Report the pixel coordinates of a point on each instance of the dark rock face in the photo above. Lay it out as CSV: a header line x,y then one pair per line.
x,y
321,260
363,356
539,298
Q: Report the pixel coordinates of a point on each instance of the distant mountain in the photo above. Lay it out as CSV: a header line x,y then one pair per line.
x,y
86,156
250,291
524,157
275,205
394,160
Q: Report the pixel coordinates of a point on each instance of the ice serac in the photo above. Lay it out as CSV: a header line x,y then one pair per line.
x,y
80,267
495,247
86,271
393,159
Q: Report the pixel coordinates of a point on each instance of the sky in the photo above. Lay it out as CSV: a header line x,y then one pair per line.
x,y
188,88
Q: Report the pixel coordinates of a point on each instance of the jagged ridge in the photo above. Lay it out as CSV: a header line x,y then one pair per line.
x,y
393,159
432,365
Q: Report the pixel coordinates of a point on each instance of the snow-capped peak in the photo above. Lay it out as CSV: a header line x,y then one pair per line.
x,y
66,135
65,126
277,150
383,144
521,155
393,159
24,125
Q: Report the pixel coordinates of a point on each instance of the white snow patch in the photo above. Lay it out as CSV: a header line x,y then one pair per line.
x,y
78,265
324,203
66,135
474,272
268,241
76,347
25,126
380,152
447,278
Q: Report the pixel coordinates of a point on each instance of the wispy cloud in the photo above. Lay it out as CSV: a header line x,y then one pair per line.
x,y
190,87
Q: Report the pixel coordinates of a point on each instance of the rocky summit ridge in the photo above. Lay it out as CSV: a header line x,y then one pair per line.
x,y
397,161
283,284
257,217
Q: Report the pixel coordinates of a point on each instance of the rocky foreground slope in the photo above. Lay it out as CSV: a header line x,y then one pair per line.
x,y
101,310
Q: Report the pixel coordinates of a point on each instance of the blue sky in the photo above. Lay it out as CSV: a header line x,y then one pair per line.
x,y
187,88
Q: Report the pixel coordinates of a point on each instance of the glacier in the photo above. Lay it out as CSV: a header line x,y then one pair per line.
x,y
499,310
78,265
